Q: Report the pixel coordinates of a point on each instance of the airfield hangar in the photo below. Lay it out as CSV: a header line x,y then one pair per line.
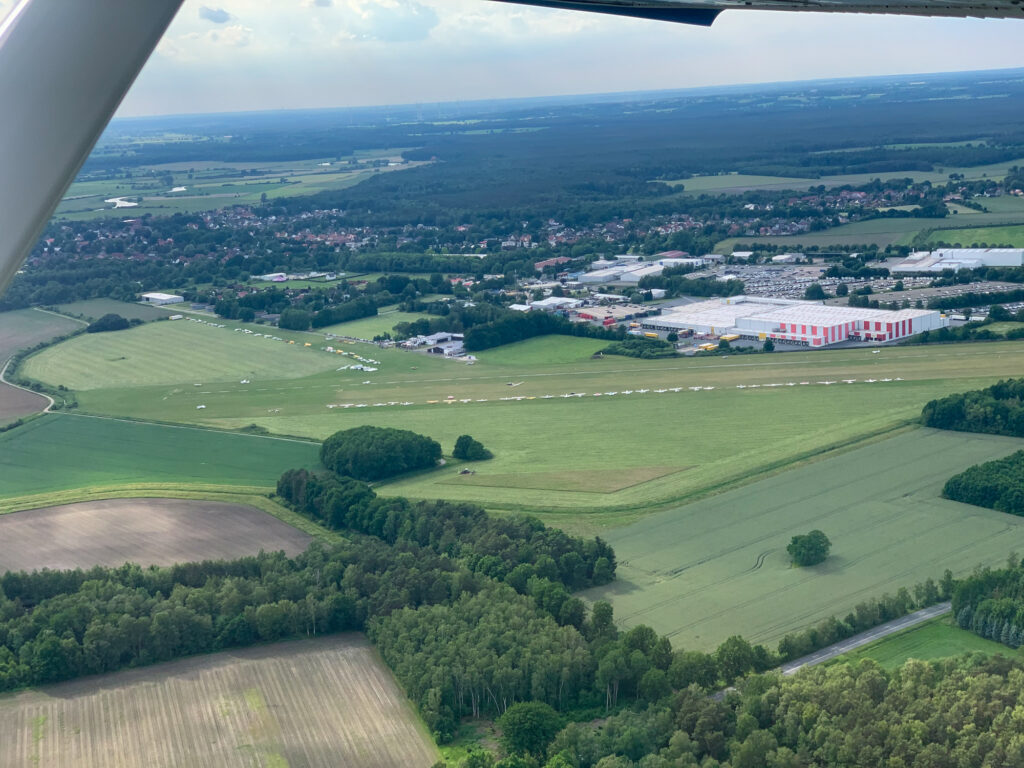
x,y
796,322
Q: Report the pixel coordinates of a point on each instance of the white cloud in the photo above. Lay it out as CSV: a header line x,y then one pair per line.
x,y
234,35
216,15
315,53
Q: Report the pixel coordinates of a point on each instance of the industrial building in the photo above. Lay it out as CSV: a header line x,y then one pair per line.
x,y
796,322
959,258
162,298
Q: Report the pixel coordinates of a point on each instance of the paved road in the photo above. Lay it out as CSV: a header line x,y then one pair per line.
x,y
864,638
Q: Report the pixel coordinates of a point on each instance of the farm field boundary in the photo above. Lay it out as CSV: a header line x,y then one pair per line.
x,y
317,703
697,572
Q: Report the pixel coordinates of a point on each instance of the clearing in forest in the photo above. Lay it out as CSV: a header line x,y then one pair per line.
x,y
316,703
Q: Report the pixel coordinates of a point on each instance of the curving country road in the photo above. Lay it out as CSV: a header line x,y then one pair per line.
x,y
882,630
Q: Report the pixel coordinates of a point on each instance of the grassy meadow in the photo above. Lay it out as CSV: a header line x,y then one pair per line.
x,y
702,572
613,456
1012,236
94,309
935,639
737,183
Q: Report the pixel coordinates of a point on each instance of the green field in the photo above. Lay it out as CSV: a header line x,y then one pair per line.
x,y
1012,236
63,451
218,185
935,639
658,448
701,572
93,309
368,327
1000,329
175,352
885,231
736,183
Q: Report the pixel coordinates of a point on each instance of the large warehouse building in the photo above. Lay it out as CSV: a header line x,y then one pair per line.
x,y
959,258
796,322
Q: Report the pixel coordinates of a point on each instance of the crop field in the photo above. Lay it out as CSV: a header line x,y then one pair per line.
x,y
27,327
94,309
935,639
313,703
699,572
147,531
61,451
19,329
1012,236
733,184
749,415
218,185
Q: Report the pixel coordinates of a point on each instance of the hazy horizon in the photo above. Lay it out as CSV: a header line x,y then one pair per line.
x,y
222,56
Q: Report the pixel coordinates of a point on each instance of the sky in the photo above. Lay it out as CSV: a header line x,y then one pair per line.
x,y
234,55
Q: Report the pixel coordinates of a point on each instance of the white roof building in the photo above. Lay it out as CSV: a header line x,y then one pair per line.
x,y
800,322
552,303
609,275
636,275
162,298
959,258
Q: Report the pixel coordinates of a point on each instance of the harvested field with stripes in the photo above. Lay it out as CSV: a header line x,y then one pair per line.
x,y
144,531
327,702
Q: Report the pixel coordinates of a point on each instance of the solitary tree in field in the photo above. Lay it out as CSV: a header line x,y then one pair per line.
x,y
810,548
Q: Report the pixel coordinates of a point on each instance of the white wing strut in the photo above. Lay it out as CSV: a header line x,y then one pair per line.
x,y
65,65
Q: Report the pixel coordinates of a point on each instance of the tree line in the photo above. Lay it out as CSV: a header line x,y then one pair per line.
x,y
990,603
519,326
675,283
997,484
647,349
996,410
515,550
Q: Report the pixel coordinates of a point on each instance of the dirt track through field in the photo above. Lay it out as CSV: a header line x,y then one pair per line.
x,y
145,531
314,703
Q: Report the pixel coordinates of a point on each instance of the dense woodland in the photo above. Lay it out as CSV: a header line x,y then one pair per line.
x,y
520,551
991,604
953,713
995,484
374,453
996,410
519,326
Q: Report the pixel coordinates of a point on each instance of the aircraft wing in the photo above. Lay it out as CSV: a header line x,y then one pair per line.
x,y
704,12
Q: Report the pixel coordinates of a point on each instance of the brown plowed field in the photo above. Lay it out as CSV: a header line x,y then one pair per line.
x,y
144,531
313,703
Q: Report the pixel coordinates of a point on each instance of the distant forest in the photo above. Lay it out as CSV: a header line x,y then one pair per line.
x,y
596,161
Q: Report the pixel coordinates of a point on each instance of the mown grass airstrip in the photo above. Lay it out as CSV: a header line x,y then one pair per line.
x,y
696,440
